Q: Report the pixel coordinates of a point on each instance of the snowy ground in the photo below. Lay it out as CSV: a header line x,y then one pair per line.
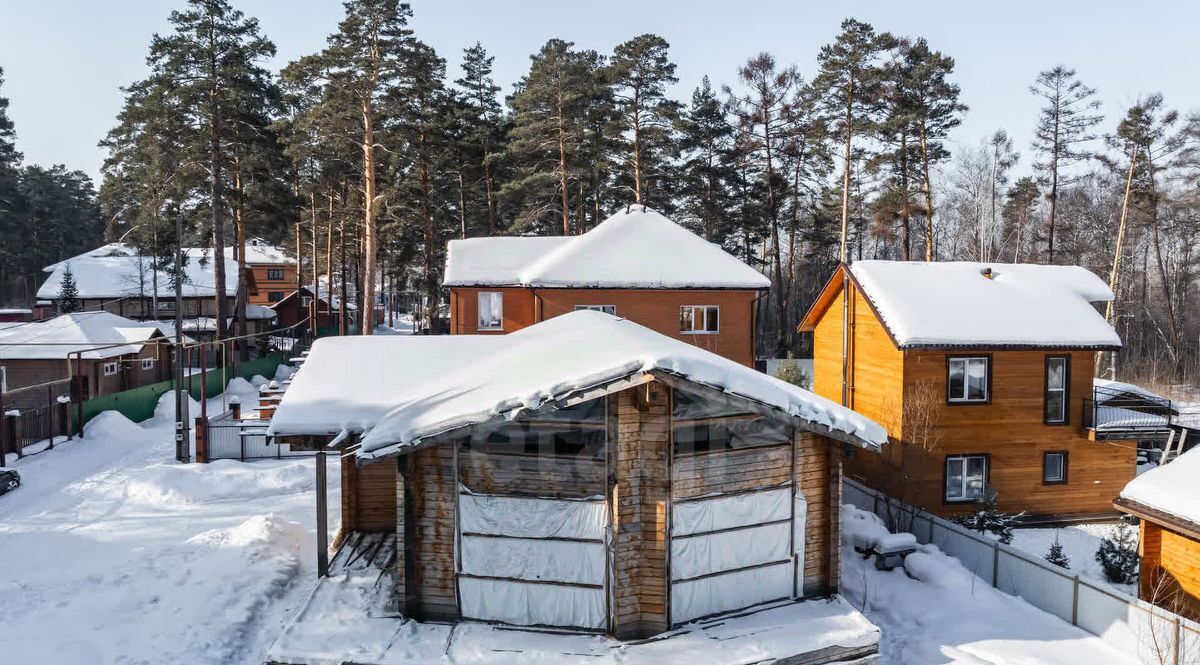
x,y
402,325
114,553
1080,542
934,611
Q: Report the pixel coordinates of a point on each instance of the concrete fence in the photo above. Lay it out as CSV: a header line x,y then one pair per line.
x,y
1150,634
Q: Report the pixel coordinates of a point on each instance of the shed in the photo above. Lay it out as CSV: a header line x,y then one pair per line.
x,y
584,472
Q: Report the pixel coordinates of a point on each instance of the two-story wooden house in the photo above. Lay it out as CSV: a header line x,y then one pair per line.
x,y
273,271
637,264
982,375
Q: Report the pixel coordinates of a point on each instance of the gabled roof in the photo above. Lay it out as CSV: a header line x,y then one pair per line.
x,y
402,390
61,336
123,276
1168,493
965,304
258,252
634,248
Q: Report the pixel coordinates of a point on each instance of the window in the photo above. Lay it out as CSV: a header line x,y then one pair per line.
x,y
1058,381
491,310
305,301
967,379
274,296
966,478
700,319
275,273
111,368
717,423
607,309
147,363
167,304
1054,468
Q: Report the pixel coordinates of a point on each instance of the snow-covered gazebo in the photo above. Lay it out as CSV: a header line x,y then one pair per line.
x,y
585,472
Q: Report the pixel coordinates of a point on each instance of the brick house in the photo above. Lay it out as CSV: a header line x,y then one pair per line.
x,y
637,264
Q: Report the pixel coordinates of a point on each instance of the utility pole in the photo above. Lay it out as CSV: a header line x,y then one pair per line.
x,y
182,449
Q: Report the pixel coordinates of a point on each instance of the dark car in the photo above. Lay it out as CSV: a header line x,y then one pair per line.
x,y
9,480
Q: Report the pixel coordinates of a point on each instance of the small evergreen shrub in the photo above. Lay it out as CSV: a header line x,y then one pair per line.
x,y
990,520
1057,556
1118,556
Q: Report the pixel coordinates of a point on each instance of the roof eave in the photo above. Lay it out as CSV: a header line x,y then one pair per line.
x,y
1162,518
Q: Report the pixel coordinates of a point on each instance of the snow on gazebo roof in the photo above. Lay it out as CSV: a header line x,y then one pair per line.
x,y
972,304
635,247
1170,488
258,252
400,390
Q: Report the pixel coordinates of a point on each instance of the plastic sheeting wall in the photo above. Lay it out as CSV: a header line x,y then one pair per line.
x,y
522,560
733,551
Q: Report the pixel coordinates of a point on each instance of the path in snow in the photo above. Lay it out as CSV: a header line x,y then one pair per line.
x,y
114,553
944,614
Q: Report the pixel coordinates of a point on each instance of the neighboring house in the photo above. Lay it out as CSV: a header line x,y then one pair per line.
x,y
15,315
637,264
274,272
296,306
1167,500
982,374
585,472
109,352
125,286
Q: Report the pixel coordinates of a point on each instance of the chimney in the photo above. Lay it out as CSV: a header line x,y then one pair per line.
x,y
987,272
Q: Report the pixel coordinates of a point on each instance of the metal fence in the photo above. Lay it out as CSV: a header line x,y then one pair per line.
x,y
29,416
244,440
1148,633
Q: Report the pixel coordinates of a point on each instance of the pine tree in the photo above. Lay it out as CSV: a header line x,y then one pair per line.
x,y
1064,128
551,106
706,139
483,123
68,292
1118,556
1001,158
641,71
1057,556
11,204
933,103
1018,211
361,70
849,87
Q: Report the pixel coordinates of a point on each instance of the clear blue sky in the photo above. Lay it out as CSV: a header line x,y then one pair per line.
x,y
65,60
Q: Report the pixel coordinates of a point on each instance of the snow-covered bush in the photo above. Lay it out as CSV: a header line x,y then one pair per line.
x,y
1118,556
990,520
1057,556
789,370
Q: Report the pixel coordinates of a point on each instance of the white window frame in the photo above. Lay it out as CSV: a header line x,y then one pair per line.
x,y
962,489
964,397
167,303
1066,381
487,296
147,363
704,311
112,368
607,309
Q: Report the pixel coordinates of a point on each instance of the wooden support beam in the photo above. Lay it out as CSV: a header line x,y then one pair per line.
x,y
322,518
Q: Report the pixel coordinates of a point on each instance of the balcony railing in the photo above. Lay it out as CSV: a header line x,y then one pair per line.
x,y
1117,414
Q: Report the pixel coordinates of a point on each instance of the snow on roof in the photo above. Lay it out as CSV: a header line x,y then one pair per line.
x,y
61,336
954,304
121,276
403,389
259,312
258,252
15,310
635,247
1170,488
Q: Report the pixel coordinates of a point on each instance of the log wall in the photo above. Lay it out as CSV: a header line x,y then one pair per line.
x,y
1170,570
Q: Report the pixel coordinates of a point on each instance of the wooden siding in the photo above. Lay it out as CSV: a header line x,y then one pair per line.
x,y
430,532
368,496
264,286
639,505
657,309
730,471
1171,554
817,475
529,474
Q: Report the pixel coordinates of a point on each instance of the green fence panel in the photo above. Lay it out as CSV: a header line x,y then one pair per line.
x,y
138,404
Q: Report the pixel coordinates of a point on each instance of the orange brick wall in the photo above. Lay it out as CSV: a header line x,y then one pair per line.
x,y
657,309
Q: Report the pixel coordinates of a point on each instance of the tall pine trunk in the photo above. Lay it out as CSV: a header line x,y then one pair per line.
x,y
928,187
366,325
846,170
562,167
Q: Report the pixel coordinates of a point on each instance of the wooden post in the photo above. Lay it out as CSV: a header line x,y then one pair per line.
x,y
400,575
322,518
201,439
10,432
51,415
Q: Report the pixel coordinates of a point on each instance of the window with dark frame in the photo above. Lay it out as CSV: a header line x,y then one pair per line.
x,y
1054,467
275,273
966,478
274,296
700,319
967,379
705,424
1058,381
